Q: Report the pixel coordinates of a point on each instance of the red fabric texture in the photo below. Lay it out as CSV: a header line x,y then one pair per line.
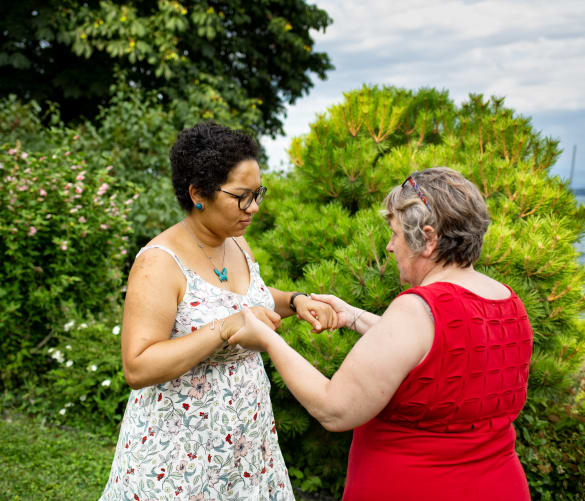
x,y
447,432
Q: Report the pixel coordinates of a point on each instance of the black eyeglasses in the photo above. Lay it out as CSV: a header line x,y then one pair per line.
x,y
416,188
245,199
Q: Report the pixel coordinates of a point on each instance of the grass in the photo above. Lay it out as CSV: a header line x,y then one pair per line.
x,y
49,463
42,462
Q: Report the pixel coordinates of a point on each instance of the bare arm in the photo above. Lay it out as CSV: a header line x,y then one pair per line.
x,y
369,375
149,355
347,315
319,314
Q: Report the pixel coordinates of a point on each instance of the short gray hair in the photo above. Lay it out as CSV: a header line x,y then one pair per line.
x,y
456,210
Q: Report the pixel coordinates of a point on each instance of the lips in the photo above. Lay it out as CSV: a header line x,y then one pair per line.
x,y
246,221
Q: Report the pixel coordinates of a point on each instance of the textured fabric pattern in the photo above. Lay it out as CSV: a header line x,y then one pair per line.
x,y
209,434
447,432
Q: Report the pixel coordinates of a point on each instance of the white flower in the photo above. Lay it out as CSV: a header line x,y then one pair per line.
x,y
116,330
69,363
58,356
93,367
82,398
51,350
83,326
68,347
68,325
106,382
68,404
62,412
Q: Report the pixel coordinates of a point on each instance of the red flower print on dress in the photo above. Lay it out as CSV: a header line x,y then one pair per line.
x,y
195,303
136,497
159,397
186,406
228,438
246,474
160,476
200,387
143,439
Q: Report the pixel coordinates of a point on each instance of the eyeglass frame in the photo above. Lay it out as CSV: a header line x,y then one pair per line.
x,y
255,193
416,188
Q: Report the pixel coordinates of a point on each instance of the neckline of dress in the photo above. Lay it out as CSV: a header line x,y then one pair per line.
x,y
511,296
209,284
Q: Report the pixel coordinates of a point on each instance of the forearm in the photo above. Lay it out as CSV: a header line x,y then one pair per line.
x,y
363,320
171,358
306,383
281,302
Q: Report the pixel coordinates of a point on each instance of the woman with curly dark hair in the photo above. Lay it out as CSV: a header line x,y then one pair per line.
x,y
199,423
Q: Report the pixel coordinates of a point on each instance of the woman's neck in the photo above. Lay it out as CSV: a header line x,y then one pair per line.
x,y
202,233
448,273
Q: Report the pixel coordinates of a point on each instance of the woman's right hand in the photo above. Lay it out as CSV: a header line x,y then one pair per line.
x,y
235,322
345,312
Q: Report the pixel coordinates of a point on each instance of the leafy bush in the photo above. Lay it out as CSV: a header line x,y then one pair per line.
x,y
64,234
322,232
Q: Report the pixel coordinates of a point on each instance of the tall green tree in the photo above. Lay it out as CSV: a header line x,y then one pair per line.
x,y
68,51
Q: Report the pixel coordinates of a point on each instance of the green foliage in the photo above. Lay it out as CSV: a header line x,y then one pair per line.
x,y
46,462
323,232
86,376
63,235
68,52
551,444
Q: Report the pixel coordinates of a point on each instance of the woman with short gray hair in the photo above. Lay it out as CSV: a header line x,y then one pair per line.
x,y
433,385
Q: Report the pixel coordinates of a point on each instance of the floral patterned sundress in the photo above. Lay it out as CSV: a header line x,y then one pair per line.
x,y
208,435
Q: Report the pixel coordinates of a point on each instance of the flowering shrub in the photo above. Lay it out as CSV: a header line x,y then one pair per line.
x,y
63,235
86,381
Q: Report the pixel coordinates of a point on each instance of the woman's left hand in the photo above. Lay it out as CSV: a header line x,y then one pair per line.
x,y
254,334
319,314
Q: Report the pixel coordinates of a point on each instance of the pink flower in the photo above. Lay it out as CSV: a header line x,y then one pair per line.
x,y
124,252
42,192
82,220
12,151
42,158
24,155
78,189
67,153
102,189
75,138
80,177
83,233
104,226
200,387
241,447
31,231
109,168
64,246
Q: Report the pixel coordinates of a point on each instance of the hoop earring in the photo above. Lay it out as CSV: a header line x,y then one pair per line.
x,y
199,206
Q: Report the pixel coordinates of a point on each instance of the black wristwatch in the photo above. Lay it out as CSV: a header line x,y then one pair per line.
x,y
292,300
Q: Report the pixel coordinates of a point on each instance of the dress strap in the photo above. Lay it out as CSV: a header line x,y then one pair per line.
x,y
168,251
240,247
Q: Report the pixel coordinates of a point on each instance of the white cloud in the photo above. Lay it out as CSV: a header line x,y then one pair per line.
x,y
530,51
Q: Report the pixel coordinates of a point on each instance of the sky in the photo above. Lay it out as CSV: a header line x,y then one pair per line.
x,y
531,52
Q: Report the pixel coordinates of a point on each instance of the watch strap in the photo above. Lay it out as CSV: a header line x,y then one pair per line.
x,y
292,300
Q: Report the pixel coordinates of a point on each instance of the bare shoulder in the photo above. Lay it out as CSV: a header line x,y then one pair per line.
x,y
244,245
410,305
155,266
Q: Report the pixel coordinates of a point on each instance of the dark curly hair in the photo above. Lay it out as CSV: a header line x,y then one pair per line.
x,y
203,156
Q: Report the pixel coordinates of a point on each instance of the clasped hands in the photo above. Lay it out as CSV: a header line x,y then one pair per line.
x,y
253,328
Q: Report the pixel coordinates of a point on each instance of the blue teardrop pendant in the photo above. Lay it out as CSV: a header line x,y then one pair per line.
x,y
222,275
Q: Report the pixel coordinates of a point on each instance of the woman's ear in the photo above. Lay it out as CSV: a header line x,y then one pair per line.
x,y
194,194
432,240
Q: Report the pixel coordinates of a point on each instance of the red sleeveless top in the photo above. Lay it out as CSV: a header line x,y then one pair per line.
x,y
447,432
